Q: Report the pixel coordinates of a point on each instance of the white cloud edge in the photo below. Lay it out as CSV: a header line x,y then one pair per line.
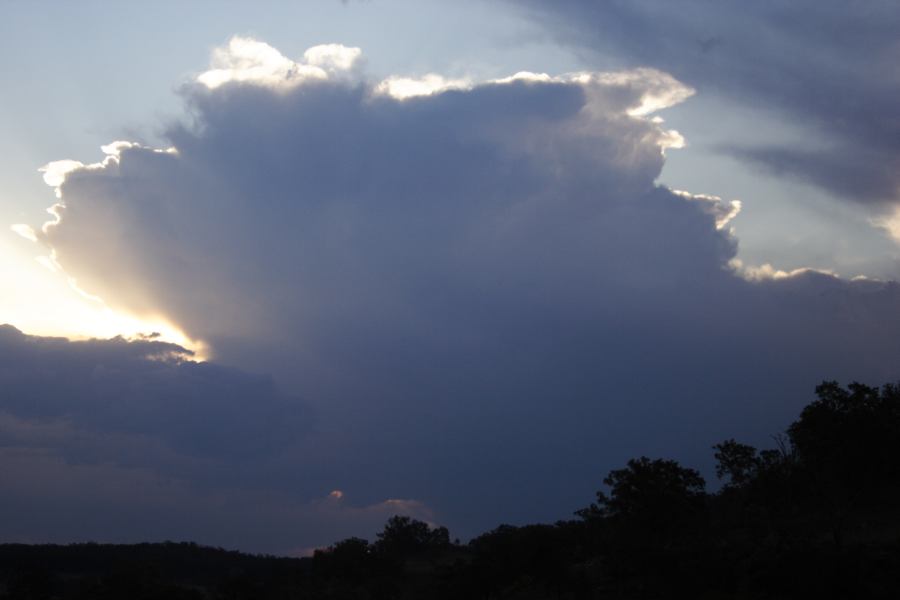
x,y
723,211
249,61
245,60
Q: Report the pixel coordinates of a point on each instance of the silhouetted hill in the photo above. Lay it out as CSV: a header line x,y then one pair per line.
x,y
166,570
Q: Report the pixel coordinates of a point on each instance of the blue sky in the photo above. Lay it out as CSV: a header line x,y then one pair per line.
x,y
429,304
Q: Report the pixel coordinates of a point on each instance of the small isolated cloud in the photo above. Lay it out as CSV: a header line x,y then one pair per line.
x,y
25,231
481,291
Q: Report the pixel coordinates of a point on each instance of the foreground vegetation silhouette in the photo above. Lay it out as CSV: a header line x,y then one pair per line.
x,y
817,516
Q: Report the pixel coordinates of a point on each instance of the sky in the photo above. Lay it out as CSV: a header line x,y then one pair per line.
x,y
274,273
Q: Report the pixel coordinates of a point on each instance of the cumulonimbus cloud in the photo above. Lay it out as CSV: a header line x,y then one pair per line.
x,y
332,174
478,286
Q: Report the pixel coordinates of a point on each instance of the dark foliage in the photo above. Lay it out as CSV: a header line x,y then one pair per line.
x,y
404,538
818,516
143,571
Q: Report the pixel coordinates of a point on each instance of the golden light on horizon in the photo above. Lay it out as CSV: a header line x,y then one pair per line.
x,y
41,300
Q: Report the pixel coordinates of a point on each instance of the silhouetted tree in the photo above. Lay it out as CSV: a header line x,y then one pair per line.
x,y
349,559
848,445
851,436
759,497
404,537
737,462
657,494
652,517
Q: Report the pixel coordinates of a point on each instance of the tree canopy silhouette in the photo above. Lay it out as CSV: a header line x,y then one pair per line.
x,y
655,493
403,537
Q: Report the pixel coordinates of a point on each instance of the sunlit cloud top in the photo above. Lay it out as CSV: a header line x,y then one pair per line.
x,y
248,60
411,87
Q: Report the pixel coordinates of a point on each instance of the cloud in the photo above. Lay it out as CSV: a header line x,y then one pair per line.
x,y
849,172
56,388
827,66
409,87
246,60
58,501
118,440
481,292
25,231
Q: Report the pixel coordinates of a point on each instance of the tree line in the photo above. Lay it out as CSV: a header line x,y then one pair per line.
x,y
814,516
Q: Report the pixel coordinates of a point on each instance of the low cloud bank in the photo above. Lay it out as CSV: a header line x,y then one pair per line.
x,y
118,440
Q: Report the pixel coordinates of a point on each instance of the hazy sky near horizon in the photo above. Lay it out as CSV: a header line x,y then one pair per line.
x,y
425,284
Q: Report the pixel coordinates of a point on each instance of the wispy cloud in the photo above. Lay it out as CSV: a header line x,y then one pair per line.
x,y
828,66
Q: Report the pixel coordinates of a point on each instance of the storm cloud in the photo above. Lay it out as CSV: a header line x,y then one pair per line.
x,y
477,287
145,388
